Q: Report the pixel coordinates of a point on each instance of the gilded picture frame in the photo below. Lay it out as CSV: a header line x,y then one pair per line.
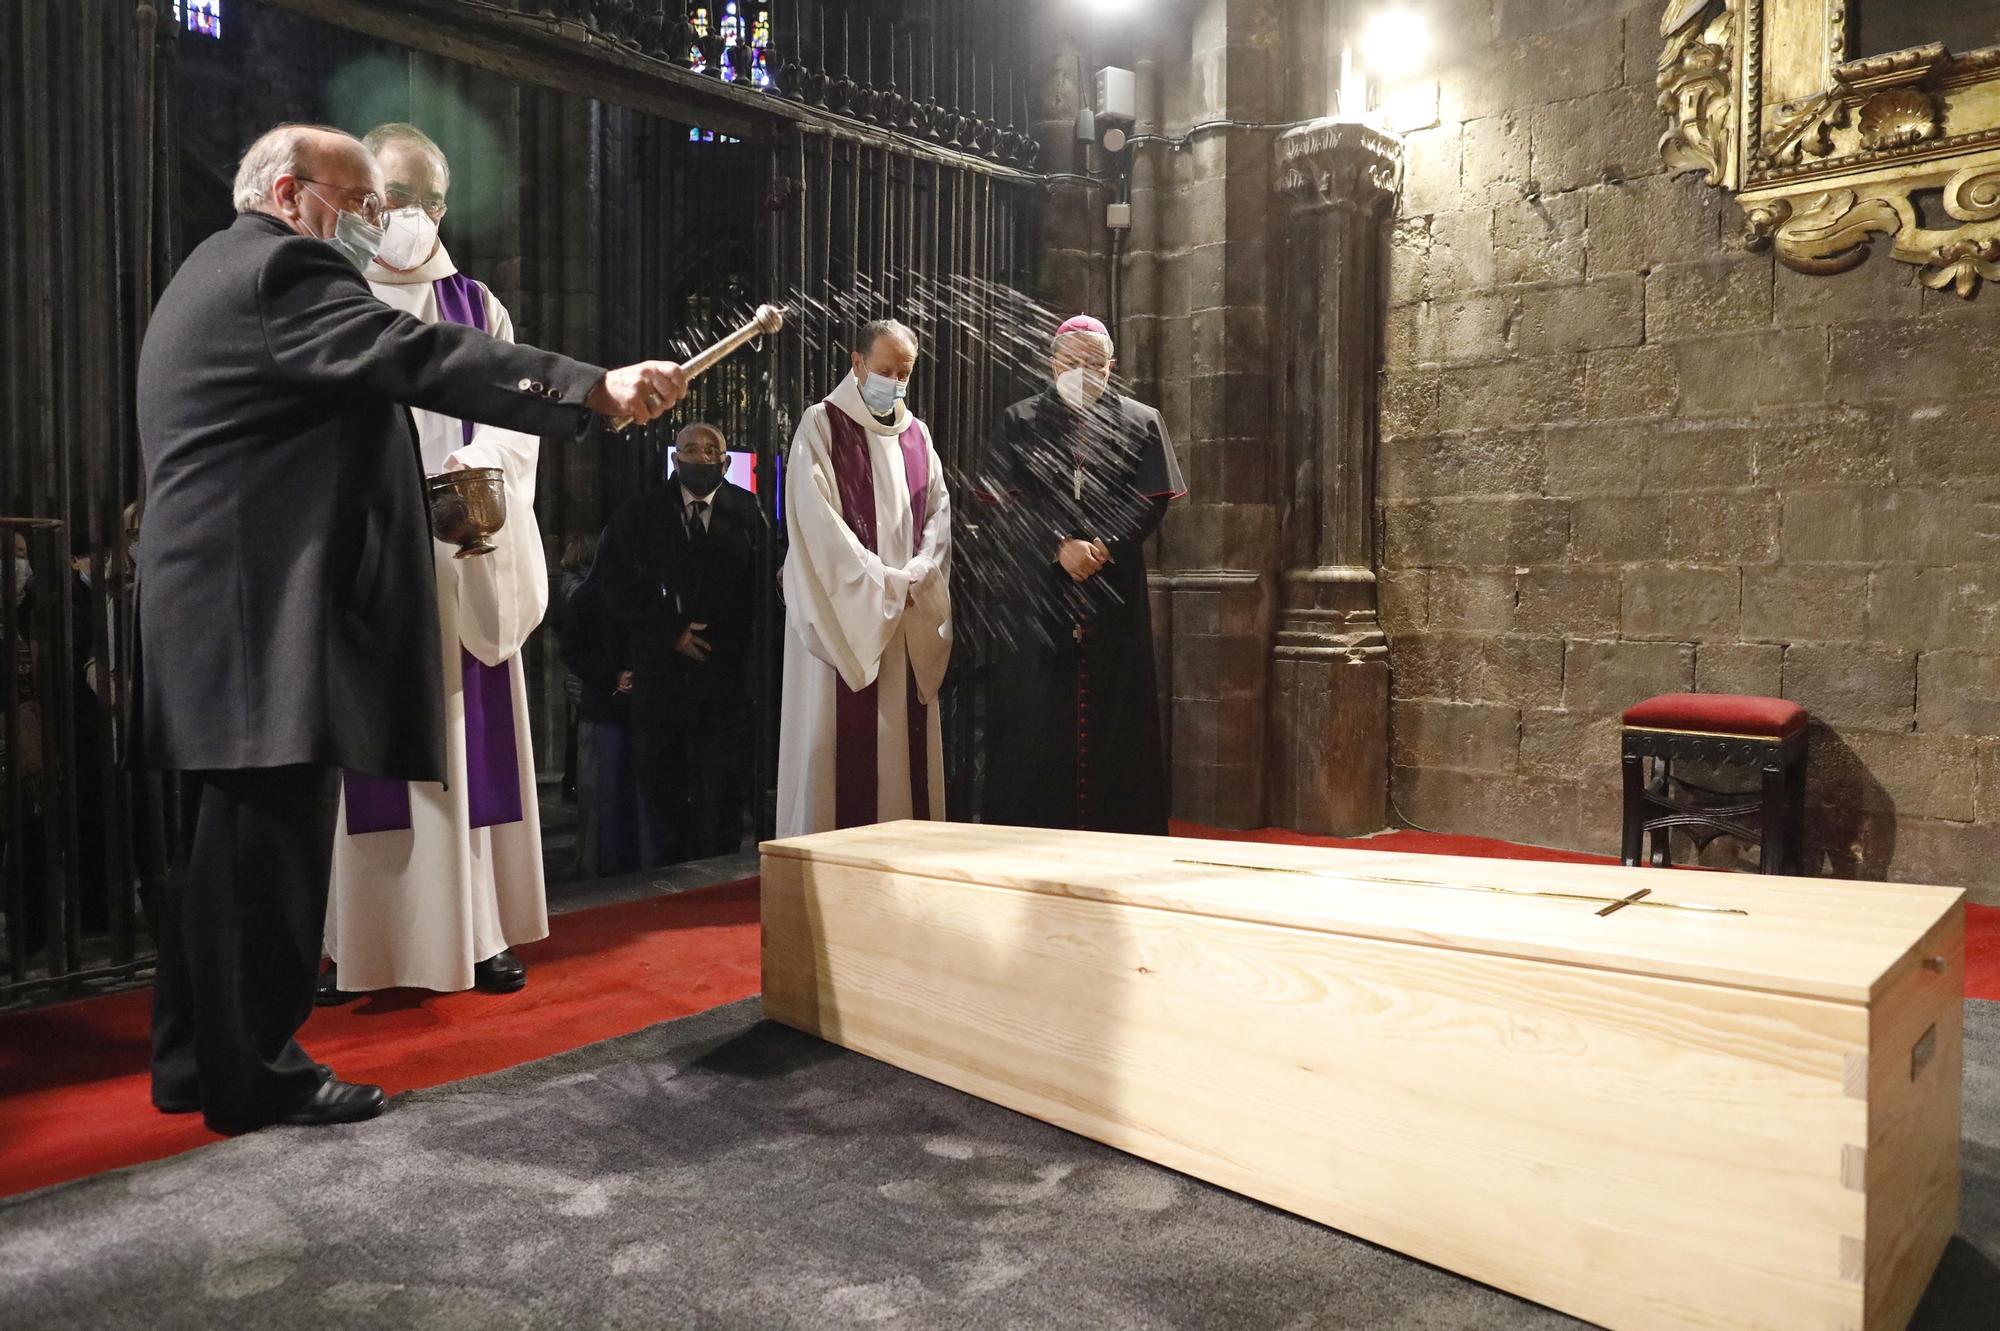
x,y
1833,158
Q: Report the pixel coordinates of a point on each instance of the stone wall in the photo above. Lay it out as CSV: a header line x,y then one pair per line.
x,y
1197,308
1620,455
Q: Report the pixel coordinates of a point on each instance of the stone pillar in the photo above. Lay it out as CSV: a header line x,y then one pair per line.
x,y
1330,662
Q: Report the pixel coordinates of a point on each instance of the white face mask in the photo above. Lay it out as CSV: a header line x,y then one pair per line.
x,y
24,574
1082,387
882,393
409,236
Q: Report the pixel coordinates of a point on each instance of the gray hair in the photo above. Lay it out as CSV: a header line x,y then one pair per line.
x,y
409,135
871,333
277,152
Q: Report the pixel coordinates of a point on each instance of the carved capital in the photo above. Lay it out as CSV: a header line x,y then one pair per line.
x,y
1339,163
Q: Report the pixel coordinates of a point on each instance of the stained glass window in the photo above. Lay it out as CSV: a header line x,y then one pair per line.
x,y
201,16
736,24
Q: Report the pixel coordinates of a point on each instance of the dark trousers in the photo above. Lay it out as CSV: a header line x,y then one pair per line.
x,y
240,945
695,774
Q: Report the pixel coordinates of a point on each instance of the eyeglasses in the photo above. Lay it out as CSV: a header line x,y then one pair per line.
x,y
371,202
432,204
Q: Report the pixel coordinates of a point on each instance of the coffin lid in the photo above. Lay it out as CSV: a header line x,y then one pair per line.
x,y
1813,937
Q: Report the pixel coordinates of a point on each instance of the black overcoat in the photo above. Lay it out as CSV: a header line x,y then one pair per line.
x,y
288,612
659,581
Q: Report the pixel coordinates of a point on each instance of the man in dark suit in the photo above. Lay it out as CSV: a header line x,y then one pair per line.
x,y
679,572
288,621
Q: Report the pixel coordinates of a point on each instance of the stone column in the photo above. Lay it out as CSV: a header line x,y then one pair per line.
x,y
1330,662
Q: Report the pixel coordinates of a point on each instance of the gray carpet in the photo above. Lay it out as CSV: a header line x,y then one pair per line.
x,y
721,1173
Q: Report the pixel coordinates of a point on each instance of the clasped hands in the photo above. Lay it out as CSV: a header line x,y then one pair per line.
x,y
1082,560
919,571
690,644
638,394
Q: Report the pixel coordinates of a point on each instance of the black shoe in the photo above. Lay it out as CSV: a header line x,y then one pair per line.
x,y
503,973
329,993
334,1102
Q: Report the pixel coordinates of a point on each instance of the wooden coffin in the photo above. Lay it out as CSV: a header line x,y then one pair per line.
x,y
1731,1103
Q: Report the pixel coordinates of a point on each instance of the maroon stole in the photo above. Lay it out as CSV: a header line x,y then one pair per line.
x,y
856,716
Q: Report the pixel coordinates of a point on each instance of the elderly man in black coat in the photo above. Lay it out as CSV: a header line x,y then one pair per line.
x,y
678,569
288,621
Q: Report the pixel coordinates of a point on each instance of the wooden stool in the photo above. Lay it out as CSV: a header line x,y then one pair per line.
x,y
1726,729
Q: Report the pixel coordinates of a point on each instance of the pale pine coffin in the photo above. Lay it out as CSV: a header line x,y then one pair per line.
x,y
1732,1103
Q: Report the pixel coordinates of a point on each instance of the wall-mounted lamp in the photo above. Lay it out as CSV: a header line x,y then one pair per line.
x,y
1395,43
1390,45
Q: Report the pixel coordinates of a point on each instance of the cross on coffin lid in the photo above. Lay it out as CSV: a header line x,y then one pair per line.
x,y
1837,940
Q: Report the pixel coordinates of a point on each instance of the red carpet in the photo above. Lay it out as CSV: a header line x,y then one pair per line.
x,y
73,1082
73,1085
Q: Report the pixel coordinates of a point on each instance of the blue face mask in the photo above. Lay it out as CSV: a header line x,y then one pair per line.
x,y
882,393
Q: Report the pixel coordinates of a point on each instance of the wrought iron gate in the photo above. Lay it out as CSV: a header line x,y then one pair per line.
x,y
876,144
903,230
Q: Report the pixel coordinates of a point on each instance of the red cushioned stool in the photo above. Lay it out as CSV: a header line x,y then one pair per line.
x,y
1767,735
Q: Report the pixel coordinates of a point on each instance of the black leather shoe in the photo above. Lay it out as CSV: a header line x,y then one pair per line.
x,y
334,1102
329,993
503,973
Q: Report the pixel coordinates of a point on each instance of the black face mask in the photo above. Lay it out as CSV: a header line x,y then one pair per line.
x,y
699,477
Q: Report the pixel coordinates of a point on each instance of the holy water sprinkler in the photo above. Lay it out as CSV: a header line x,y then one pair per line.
x,y
768,319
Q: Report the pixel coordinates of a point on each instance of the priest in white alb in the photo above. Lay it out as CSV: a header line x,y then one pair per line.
x,y
867,588
434,884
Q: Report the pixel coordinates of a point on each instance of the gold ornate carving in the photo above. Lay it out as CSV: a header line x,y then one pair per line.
x,y
1961,263
1803,129
1825,172
1896,118
1830,234
1696,79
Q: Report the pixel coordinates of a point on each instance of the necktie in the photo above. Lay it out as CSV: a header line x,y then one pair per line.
x,y
697,527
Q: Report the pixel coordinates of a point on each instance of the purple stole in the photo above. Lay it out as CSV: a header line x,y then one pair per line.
x,y
492,762
855,714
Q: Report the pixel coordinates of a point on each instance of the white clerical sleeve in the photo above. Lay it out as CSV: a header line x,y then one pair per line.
x,y
503,596
842,600
928,620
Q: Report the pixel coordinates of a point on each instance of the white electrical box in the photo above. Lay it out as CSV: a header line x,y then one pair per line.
x,y
1117,95
1118,216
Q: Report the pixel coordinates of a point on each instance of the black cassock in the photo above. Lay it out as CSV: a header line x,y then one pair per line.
x,y
288,615
657,574
1073,719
